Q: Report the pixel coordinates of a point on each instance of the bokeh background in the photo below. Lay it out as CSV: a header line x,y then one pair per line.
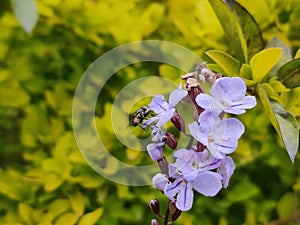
x,y
44,179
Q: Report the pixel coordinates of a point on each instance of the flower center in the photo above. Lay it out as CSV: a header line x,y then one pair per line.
x,y
195,165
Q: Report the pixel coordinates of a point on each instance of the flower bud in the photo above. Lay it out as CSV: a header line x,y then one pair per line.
x,y
154,222
163,165
175,215
154,206
172,207
171,141
178,122
200,147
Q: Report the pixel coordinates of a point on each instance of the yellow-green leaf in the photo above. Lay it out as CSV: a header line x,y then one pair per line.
x,y
285,207
26,213
262,62
270,91
91,218
67,219
77,202
278,86
227,63
246,71
265,101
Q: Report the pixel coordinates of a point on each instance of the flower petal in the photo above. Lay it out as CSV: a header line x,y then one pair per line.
x,y
176,96
228,89
195,132
171,189
238,107
231,128
159,181
208,183
155,151
206,101
185,197
165,117
158,104
226,169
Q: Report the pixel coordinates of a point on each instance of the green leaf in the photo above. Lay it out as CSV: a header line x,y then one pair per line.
x,y
250,28
232,29
11,89
243,191
228,64
285,57
26,12
289,73
285,207
246,71
262,62
91,218
284,122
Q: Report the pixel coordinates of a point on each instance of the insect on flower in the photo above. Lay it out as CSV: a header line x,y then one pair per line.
x,y
140,115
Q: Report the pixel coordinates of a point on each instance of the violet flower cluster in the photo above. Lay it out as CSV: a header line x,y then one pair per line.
x,y
204,165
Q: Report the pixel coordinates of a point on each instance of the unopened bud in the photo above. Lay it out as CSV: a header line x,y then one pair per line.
x,y
171,141
175,215
172,207
200,147
218,75
154,222
178,122
154,206
163,165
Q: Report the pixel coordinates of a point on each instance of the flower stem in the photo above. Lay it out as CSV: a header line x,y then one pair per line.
x,y
190,142
167,215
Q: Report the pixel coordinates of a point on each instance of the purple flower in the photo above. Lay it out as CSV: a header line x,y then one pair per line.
x,y
191,171
228,95
219,136
206,182
155,149
164,110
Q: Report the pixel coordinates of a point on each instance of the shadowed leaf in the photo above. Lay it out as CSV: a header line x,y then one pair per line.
x,y
250,28
284,122
289,73
232,29
285,57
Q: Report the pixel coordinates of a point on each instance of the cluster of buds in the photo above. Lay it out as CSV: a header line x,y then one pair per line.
x,y
204,165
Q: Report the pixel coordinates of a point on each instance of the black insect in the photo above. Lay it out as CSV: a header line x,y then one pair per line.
x,y
140,115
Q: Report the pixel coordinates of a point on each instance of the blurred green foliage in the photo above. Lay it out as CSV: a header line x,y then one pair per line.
x,y
44,179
